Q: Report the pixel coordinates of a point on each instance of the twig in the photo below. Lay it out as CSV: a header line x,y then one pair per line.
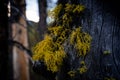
x,y
22,47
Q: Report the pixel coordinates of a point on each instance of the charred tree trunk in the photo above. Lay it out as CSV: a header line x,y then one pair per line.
x,y
101,20
43,14
5,60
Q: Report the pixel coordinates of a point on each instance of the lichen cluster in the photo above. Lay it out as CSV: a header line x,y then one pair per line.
x,y
71,73
83,67
51,49
80,70
81,41
50,52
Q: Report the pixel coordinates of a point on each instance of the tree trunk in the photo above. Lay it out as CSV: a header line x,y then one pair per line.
x,y
19,34
101,19
5,56
43,14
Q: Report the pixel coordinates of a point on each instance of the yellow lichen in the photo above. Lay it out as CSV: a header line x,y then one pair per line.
x,y
66,19
82,62
79,8
55,30
83,69
59,32
51,49
49,52
69,7
72,73
106,52
74,8
81,41
56,11
109,78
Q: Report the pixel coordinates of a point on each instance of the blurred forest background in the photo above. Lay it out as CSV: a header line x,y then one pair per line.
x,y
19,34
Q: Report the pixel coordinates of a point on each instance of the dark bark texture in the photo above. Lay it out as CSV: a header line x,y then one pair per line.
x,y
5,56
101,20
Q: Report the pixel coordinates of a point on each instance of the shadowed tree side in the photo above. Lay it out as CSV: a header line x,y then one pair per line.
x,y
5,61
101,20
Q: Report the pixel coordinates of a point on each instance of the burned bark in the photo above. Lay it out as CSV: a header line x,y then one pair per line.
x,y
5,51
